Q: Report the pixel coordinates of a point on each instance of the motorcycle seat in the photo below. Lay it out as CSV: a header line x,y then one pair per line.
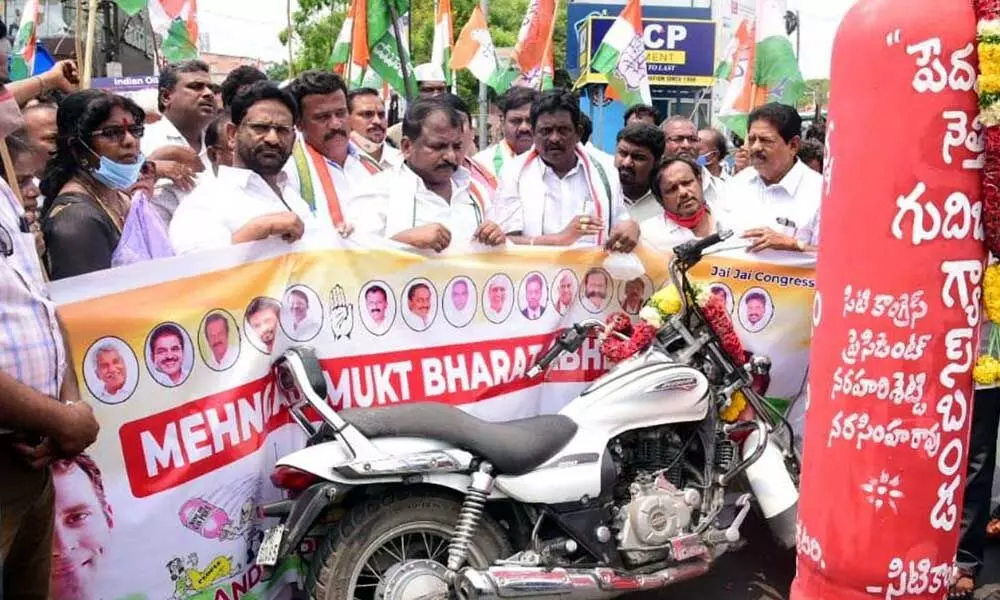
x,y
512,447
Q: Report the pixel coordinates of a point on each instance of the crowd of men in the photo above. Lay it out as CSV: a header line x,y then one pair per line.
x,y
98,182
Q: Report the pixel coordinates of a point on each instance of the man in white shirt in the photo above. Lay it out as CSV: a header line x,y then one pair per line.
x,y
775,199
377,303
223,354
111,370
166,348
595,289
187,102
567,292
368,119
565,196
429,202
251,200
683,214
418,302
459,311
638,151
517,136
682,140
324,167
712,150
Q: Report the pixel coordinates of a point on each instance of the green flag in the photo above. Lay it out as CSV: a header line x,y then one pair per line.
x,y
131,7
385,59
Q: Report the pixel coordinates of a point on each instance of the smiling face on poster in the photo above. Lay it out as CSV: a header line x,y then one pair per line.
x,y
111,371
219,341
532,296
169,354
459,301
564,288
301,314
260,323
498,298
756,309
420,304
378,307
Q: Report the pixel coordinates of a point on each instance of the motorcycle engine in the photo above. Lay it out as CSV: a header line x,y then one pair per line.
x,y
656,506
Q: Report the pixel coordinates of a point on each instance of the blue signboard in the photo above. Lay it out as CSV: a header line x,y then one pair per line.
x,y
578,13
679,52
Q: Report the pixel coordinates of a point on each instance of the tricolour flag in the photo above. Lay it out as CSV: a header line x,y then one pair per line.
x,y
26,43
342,45
622,58
176,21
763,67
535,35
475,51
385,57
444,39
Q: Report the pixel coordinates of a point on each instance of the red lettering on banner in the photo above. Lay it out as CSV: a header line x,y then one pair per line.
x,y
173,447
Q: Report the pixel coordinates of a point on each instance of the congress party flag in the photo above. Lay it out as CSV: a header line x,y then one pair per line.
x,y
444,39
383,46
26,43
535,35
737,102
622,58
176,21
475,51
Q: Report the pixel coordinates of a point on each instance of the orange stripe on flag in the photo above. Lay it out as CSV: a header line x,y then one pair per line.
x,y
359,35
530,49
466,46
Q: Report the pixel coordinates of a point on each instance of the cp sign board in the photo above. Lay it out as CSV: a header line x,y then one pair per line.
x,y
678,51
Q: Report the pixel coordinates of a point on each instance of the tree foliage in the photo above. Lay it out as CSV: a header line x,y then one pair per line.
x,y
316,24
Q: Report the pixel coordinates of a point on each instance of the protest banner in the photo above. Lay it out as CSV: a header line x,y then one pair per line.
x,y
175,354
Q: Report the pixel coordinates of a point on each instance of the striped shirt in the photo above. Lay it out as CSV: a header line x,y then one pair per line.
x,y
31,344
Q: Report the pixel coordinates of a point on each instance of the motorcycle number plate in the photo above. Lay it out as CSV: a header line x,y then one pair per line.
x,y
685,547
267,555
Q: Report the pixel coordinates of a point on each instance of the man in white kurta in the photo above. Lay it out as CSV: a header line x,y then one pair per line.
x,y
565,197
428,202
368,130
251,200
517,136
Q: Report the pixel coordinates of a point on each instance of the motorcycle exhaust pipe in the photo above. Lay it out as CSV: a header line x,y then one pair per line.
x,y
539,583
774,489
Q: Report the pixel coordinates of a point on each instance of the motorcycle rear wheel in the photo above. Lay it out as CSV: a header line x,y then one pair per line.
x,y
372,537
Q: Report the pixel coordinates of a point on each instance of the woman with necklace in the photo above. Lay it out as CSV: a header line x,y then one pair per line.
x,y
97,160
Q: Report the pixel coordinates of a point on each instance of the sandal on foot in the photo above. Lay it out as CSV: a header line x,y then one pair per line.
x,y
964,588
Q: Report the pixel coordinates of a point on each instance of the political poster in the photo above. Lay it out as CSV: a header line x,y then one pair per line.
x,y
175,357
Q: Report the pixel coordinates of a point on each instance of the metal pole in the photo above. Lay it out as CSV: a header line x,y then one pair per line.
x,y
798,35
403,59
599,130
484,96
87,71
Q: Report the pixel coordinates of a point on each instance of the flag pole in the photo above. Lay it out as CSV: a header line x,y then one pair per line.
x,y
484,94
548,48
78,42
291,34
87,70
403,59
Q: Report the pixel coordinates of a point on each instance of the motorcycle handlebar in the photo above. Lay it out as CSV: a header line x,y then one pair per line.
x,y
569,340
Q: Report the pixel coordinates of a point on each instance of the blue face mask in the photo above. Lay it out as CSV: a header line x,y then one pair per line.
x,y
116,175
702,160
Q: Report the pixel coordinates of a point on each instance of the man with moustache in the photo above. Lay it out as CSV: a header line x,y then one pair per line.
x,y
567,292
298,310
634,289
638,150
112,372
418,300
166,347
533,290
775,202
756,306
325,167
517,136
368,127
252,200
223,355
565,197
377,301
682,140
82,531
263,315
430,202
595,289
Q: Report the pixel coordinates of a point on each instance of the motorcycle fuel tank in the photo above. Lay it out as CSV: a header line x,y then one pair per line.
x,y
646,390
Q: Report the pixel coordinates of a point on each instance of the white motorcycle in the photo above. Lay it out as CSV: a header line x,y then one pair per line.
x,y
636,484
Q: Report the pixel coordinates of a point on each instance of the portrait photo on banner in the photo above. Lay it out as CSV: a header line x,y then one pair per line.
x,y
110,370
219,340
564,287
597,290
723,291
260,323
533,296
632,294
301,313
498,298
377,303
459,301
169,354
756,309
420,304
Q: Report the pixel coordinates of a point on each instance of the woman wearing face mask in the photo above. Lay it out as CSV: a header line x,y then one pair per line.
x,y
97,161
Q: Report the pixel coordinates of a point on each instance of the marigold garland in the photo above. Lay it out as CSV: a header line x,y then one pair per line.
x,y
988,47
734,408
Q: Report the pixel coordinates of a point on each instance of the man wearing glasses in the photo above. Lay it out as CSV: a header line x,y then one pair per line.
x,y
41,415
253,199
682,140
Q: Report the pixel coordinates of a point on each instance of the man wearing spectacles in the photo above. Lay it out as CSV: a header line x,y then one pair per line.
x,y
682,140
41,415
253,199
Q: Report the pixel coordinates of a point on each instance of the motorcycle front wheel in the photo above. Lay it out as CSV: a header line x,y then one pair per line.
x,y
380,534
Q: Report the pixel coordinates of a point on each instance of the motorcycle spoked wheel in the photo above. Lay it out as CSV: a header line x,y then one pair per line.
x,y
353,560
